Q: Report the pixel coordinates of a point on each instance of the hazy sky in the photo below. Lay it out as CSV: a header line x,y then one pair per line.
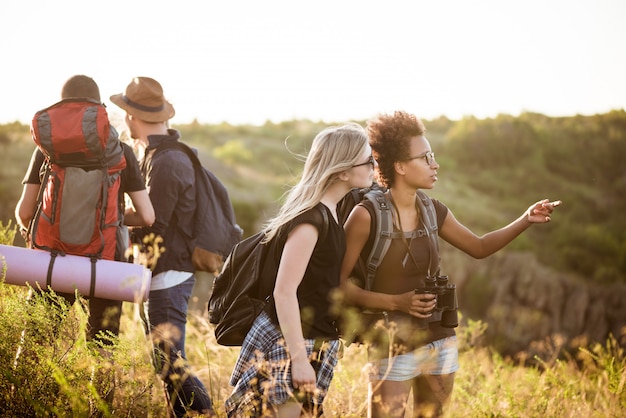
x,y
252,61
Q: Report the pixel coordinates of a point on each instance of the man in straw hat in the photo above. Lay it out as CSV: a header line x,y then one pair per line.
x,y
169,178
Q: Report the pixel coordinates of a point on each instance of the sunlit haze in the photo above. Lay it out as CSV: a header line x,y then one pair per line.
x,y
253,61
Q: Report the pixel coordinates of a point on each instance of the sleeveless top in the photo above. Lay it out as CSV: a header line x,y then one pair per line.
x,y
398,273
321,278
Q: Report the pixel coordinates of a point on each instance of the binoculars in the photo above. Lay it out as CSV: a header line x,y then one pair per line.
x,y
446,299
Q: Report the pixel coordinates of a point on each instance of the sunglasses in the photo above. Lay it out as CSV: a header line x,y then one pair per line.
x,y
429,156
370,160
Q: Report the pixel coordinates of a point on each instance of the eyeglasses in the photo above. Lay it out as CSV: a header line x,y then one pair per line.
x,y
370,160
429,156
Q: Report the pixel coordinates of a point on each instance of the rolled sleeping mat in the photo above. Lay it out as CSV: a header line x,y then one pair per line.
x,y
114,280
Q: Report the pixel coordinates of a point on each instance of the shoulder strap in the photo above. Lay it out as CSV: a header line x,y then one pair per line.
x,y
347,203
325,227
34,221
429,218
182,147
383,223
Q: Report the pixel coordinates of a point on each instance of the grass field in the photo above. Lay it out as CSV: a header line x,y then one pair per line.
x,y
63,375
58,373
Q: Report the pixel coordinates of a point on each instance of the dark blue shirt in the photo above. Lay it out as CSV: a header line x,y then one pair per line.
x,y
170,181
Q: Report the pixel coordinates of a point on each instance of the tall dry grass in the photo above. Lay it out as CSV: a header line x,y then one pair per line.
x,y
58,373
61,374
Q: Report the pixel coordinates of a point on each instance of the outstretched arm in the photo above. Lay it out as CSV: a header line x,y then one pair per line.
x,y
461,237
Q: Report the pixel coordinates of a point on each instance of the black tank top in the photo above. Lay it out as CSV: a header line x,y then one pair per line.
x,y
321,277
398,273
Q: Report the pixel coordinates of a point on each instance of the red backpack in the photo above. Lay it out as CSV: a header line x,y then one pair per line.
x,y
78,209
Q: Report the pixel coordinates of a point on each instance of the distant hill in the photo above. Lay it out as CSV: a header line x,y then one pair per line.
x,y
491,171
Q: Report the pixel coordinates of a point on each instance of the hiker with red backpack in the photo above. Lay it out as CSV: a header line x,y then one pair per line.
x,y
170,180
421,354
52,216
73,202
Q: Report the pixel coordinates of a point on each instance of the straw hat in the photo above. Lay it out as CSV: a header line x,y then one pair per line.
x,y
144,100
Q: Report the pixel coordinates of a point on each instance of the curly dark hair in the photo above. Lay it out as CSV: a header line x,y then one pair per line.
x,y
389,138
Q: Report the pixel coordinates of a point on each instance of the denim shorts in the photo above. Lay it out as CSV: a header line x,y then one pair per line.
x,y
436,358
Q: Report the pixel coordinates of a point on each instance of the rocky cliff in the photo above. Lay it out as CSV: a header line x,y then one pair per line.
x,y
528,306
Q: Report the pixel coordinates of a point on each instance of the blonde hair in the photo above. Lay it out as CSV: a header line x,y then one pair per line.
x,y
333,151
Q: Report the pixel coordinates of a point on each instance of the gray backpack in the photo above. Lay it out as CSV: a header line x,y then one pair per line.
x,y
383,222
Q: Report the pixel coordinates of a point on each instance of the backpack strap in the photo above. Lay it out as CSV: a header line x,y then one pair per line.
x,y
92,285
176,144
350,200
325,227
32,226
195,162
429,218
34,222
383,222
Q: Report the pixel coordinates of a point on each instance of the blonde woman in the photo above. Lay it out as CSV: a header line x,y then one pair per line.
x,y
287,359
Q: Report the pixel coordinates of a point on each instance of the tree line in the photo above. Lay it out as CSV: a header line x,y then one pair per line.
x,y
491,169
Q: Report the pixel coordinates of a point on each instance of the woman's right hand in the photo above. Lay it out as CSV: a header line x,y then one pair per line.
x,y
303,375
419,305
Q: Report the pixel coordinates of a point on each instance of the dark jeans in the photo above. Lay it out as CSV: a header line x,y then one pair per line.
x,y
104,315
167,314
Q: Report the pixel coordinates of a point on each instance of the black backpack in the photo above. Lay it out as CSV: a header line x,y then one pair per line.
x,y
216,232
236,300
